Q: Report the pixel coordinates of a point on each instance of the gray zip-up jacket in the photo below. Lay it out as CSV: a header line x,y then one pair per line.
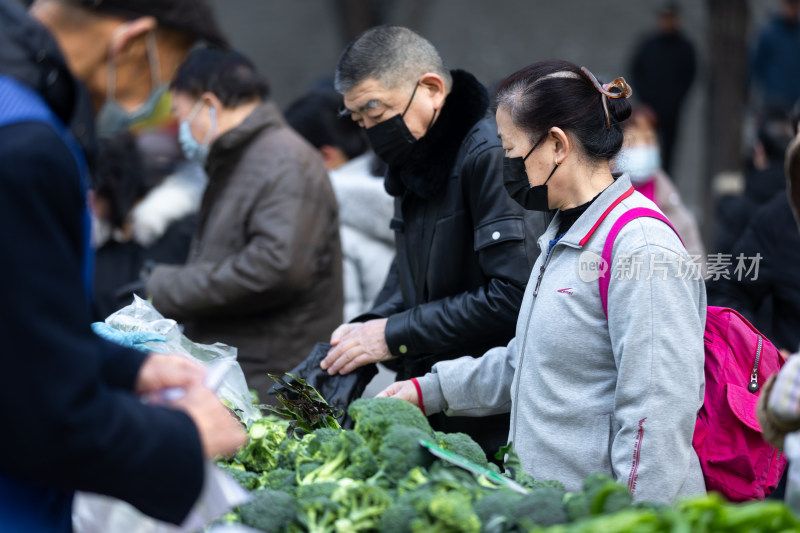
x,y
586,394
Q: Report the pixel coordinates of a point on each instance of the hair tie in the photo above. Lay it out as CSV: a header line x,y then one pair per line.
x,y
624,91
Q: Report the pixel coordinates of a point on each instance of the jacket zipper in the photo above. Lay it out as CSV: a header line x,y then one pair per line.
x,y
525,341
753,385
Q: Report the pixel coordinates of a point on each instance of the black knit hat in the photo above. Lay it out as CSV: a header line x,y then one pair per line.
x,y
194,17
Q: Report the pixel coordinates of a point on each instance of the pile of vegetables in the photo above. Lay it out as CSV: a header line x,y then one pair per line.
x,y
316,477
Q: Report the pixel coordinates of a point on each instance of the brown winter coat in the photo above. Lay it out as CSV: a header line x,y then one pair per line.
x,y
265,269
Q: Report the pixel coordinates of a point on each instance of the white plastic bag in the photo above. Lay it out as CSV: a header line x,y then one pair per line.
x,y
93,513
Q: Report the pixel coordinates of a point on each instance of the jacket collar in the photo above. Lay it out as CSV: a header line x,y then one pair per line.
x,y
265,116
428,168
589,222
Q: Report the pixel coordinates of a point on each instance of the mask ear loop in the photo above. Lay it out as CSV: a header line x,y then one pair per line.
x,y
411,100
537,143
152,56
551,173
212,113
111,69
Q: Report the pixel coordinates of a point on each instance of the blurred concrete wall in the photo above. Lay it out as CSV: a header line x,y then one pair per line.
x,y
297,43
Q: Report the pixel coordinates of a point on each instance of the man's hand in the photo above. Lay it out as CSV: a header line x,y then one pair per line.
x,y
161,372
221,433
405,390
359,345
341,331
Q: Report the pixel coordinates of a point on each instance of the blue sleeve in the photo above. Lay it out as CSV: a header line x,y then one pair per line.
x,y
70,418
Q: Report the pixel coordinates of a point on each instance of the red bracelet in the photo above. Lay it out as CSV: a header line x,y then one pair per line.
x,y
419,395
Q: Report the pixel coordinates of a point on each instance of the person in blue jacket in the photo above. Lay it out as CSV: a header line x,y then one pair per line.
x,y
73,416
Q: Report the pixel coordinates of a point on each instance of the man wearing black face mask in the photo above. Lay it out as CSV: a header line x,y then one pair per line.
x,y
464,248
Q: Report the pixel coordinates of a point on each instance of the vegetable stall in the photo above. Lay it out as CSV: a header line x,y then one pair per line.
x,y
308,474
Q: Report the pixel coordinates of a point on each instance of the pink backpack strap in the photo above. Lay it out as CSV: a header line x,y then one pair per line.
x,y
608,247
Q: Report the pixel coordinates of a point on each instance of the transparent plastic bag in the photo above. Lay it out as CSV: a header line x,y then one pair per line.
x,y
141,316
94,513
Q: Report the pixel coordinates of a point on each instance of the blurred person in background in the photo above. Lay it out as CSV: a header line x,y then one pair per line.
x,y
464,247
145,201
640,158
264,272
592,386
83,419
764,177
775,61
662,70
778,407
124,54
766,289
365,208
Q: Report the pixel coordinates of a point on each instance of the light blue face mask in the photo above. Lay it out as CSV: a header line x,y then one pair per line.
x,y
639,162
192,149
113,118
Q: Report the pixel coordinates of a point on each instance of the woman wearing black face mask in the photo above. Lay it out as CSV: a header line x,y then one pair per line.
x,y
602,376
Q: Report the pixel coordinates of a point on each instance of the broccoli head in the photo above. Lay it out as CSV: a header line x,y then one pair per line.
x,y
289,448
604,495
270,510
334,456
361,505
261,452
509,511
400,452
577,506
316,511
463,445
542,506
447,512
397,518
248,480
374,416
279,479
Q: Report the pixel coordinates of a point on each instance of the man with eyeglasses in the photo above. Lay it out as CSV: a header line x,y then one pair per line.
x,y
465,249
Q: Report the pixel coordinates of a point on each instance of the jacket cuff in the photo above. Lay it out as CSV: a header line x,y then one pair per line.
x,y
120,366
431,393
773,429
397,337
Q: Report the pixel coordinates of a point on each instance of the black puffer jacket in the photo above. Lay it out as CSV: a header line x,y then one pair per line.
x,y
465,249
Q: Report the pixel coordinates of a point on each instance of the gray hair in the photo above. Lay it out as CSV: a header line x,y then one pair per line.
x,y
393,55
517,97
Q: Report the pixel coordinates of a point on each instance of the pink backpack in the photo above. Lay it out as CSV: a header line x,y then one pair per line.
x,y
736,461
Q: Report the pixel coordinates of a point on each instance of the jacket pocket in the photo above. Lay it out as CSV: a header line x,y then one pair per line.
x,y
499,230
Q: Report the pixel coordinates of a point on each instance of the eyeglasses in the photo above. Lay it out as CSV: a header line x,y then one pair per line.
x,y
623,91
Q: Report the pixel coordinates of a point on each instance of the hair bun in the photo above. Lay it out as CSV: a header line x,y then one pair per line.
x,y
620,108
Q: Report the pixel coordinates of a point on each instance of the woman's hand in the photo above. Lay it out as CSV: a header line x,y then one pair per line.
x,y
405,390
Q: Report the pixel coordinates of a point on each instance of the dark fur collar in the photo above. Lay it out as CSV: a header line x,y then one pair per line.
x,y
428,168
